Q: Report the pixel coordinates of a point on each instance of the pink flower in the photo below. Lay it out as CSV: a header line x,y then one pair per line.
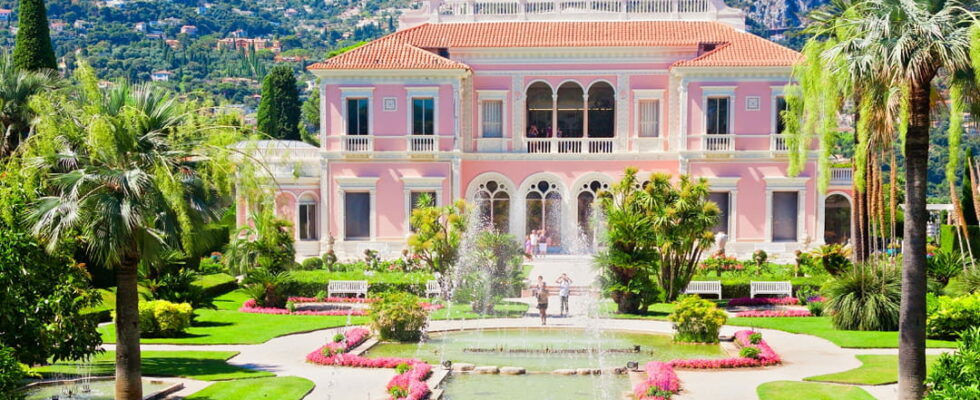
x,y
766,356
332,300
776,313
660,384
763,301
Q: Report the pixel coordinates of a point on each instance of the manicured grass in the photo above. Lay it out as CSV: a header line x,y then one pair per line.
x,y
786,390
657,311
279,388
822,327
203,365
875,370
226,325
208,282
505,309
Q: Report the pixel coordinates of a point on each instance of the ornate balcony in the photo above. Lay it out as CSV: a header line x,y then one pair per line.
x,y
422,144
718,143
841,176
357,143
778,144
570,145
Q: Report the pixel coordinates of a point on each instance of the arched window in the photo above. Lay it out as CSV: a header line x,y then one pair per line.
x,y
543,205
602,111
571,110
587,195
307,217
837,219
493,201
540,105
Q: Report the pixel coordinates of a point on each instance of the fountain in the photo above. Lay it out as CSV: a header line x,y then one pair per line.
x,y
93,388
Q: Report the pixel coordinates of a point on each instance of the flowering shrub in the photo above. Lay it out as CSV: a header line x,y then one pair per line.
x,y
398,316
763,301
719,263
326,299
250,306
410,385
776,313
765,357
661,382
697,320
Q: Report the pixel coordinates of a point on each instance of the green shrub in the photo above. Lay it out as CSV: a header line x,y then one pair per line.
x,y
866,298
816,308
399,317
329,260
309,283
944,265
312,263
739,287
953,315
749,352
949,239
759,257
321,295
697,320
955,375
338,338
161,318
402,368
11,374
291,306
209,265
755,338
969,280
492,271
834,258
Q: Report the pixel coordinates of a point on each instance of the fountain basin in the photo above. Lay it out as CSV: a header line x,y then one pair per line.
x,y
535,387
99,388
546,350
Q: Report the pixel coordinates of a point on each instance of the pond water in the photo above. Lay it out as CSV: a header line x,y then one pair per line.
x,y
98,390
546,349
535,387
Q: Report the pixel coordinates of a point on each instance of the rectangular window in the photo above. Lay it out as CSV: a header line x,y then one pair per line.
x,y
780,107
493,118
357,215
357,116
717,116
307,221
649,111
415,200
423,121
784,216
723,200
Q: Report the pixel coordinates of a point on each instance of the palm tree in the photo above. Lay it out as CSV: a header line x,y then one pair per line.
x,y
904,44
17,86
126,174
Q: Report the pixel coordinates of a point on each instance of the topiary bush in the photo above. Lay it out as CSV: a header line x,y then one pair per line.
x,y
953,315
161,318
398,317
696,320
866,298
11,374
312,263
955,375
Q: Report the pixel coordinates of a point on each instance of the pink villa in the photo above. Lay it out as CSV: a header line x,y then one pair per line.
x,y
527,108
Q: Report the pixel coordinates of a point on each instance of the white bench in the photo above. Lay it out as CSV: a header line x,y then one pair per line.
x,y
432,289
777,288
356,288
704,287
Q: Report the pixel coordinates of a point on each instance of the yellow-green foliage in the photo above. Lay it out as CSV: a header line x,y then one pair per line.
x,y
956,109
953,315
399,317
812,108
161,318
697,320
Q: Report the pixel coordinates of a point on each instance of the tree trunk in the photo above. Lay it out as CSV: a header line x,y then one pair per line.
x,y
912,317
128,375
859,214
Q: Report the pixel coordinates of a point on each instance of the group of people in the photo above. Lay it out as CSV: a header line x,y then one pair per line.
x,y
536,244
540,292
534,132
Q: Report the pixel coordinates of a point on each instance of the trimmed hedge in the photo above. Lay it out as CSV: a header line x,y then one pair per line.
x,y
309,283
949,240
216,284
739,287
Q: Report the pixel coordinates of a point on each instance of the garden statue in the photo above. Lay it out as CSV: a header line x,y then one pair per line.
x,y
721,239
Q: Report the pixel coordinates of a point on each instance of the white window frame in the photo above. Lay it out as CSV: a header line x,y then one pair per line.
x,y
316,216
427,92
419,184
357,185
730,185
357,93
708,92
646,143
784,184
491,95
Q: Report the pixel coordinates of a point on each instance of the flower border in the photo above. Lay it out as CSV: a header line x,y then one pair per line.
x,y
250,306
773,314
742,339
763,301
661,378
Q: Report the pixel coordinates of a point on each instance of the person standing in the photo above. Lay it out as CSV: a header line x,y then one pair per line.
x,y
534,243
543,301
564,287
528,251
543,243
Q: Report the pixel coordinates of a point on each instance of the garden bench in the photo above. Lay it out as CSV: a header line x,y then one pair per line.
x,y
777,288
356,288
432,289
704,287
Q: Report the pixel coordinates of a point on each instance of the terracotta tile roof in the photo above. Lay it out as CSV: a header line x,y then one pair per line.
x,y
402,50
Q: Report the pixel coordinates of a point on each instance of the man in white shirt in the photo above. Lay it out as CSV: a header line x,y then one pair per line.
x,y
564,286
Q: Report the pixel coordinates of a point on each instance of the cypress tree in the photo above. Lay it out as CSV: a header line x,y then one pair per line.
x,y
33,50
279,110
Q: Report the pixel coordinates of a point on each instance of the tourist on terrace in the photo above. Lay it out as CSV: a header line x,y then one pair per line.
x,y
564,286
533,132
543,301
534,243
543,243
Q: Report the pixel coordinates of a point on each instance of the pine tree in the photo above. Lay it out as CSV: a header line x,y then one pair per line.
x,y
33,50
279,110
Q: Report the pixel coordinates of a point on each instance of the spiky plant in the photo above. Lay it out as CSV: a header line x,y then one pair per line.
x,y
866,298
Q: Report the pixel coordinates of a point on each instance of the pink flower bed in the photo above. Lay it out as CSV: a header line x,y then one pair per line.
x,y
763,301
352,339
411,382
251,307
766,356
331,300
777,313
661,382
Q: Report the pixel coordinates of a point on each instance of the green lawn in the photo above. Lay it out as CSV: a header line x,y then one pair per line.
x,y
786,390
657,311
822,327
506,309
203,365
875,370
207,282
279,388
226,325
